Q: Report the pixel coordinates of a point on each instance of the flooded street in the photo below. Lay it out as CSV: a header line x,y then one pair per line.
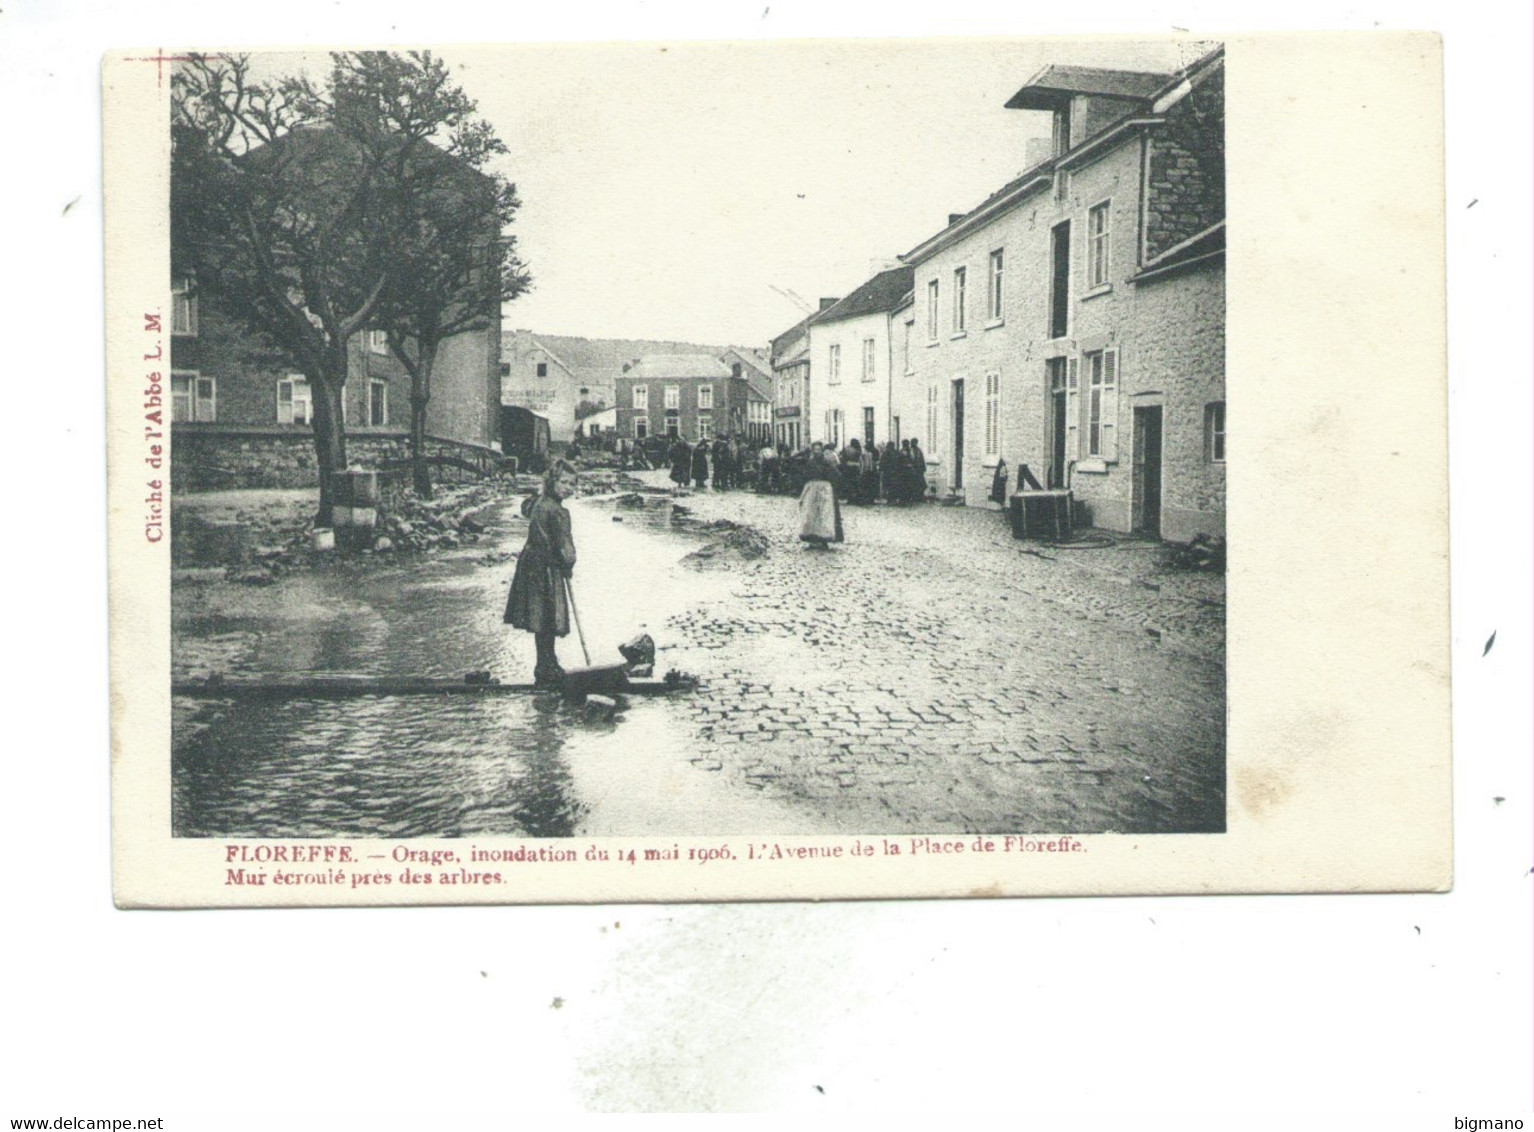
x,y
452,766
930,674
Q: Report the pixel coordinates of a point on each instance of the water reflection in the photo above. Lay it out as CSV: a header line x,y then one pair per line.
x,y
449,766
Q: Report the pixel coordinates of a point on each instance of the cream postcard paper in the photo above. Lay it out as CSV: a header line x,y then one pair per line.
x,y
891,546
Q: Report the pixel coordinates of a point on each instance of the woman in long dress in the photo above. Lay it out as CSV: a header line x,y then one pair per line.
x,y
538,601
820,515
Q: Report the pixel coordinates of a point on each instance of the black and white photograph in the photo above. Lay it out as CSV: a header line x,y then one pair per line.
x,y
722,469
837,452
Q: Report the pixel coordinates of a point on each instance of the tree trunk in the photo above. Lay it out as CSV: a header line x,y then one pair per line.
x,y
329,442
421,471
420,396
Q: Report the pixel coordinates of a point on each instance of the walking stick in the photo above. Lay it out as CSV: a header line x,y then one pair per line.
x,y
576,617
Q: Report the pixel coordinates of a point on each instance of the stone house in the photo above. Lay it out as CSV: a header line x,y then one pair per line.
x,y
534,377
1074,321
692,396
241,413
851,351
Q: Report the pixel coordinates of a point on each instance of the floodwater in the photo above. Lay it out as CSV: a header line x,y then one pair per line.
x,y
445,766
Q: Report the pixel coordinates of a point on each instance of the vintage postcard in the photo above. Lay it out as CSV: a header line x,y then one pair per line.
x,y
777,470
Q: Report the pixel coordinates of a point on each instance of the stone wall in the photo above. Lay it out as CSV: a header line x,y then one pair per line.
x,y
1186,178
216,458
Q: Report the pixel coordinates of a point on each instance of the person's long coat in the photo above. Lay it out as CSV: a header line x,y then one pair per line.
x,y
700,464
681,462
537,601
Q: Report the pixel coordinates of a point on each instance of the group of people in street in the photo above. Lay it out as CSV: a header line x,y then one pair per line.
x,y
893,472
725,463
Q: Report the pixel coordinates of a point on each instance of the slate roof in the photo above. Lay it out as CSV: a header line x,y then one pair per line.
x,y
880,294
1058,82
600,361
661,367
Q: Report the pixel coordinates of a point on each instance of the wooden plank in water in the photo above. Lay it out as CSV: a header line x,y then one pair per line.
x,y
342,686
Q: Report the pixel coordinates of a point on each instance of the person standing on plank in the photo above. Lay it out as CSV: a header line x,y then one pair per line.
x,y
538,601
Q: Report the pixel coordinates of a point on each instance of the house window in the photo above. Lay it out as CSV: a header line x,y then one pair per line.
x,y
906,346
868,426
641,426
932,310
834,374
378,403
193,397
641,397
1102,403
960,290
673,398
505,369
868,359
705,396
993,415
673,423
735,369
378,341
295,404
1214,432
1097,245
932,404
1060,280
183,307
993,288
705,426
543,369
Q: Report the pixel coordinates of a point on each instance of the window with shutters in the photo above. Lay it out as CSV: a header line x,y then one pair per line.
x,y
960,296
1214,432
641,400
992,415
868,359
183,307
705,397
641,426
868,426
932,297
378,341
705,426
1101,381
193,397
295,403
1097,245
673,398
834,370
932,415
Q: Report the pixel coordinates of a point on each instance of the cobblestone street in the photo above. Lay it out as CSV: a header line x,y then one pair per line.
x,y
933,673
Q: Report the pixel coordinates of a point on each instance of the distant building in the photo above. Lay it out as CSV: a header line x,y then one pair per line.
x,y
565,377
692,396
753,367
851,353
789,357
1074,321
